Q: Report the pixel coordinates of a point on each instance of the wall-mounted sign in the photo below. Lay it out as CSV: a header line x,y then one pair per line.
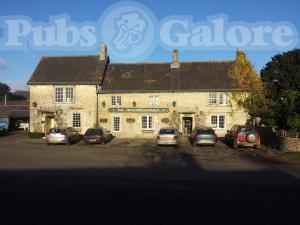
x,y
138,110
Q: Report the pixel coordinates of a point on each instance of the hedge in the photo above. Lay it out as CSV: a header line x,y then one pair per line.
x,y
35,135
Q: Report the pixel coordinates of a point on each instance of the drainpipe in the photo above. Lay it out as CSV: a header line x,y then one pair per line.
x,y
98,87
97,107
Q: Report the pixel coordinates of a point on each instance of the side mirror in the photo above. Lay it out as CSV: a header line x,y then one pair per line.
x,y
227,131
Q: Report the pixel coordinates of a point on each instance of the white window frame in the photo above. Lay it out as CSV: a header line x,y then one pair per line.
x,y
154,100
147,121
56,93
64,94
80,119
218,122
67,93
116,100
223,99
210,98
113,124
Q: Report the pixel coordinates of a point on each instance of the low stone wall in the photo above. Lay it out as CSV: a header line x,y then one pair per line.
x,y
288,144
271,139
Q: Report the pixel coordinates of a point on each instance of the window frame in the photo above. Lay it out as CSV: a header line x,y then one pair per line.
x,y
113,124
66,95
154,100
210,98
218,122
63,93
55,94
225,100
147,121
116,100
80,120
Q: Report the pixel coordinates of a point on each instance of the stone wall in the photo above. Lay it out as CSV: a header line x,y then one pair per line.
x,y
46,113
188,104
270,138
288,144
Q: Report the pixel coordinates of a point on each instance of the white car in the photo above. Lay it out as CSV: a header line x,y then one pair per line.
x,y
167,136
24,126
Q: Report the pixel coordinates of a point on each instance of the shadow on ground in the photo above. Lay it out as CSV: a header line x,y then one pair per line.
x,y
171,189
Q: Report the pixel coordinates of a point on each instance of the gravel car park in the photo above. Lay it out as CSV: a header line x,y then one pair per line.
x,y
136,176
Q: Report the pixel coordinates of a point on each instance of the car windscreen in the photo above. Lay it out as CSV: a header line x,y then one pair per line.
x,y
167,131
92,132
205,131
56,130
248,130
3,124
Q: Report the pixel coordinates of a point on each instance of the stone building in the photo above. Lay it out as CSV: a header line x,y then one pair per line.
x,y
131,99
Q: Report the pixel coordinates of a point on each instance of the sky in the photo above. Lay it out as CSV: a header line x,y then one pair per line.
x,y
16,67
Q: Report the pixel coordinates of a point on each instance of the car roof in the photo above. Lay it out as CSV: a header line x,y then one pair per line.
x,y
246,126
95,128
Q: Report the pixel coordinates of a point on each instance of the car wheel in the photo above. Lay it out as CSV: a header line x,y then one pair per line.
x,y
68,142
255,146
48,144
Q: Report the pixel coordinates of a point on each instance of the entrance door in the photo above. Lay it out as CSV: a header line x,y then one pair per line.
x,y
50,123
187,125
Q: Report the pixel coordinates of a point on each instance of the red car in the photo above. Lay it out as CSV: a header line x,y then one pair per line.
x,y
243,136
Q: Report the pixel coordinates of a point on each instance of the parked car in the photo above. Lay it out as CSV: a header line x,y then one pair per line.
x,y
97,136
203,136
243,136
24,126
4,128
167,136
67,136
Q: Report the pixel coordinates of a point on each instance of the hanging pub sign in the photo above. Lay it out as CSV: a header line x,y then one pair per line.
x,y
138,110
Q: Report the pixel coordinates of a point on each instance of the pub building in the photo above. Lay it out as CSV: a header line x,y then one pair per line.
x,y
132,99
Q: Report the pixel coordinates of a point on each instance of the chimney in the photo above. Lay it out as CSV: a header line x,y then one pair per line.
x,y
103,51
175,61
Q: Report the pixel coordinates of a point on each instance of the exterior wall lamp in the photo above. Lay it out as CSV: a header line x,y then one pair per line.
x,y
34,104
103,104
174,103
134,104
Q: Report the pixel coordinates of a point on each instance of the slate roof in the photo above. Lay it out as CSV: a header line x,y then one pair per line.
x,y
147,77
133,77
87,69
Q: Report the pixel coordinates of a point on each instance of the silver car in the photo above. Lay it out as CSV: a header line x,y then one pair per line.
x,y
66,136
167,136
203,136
